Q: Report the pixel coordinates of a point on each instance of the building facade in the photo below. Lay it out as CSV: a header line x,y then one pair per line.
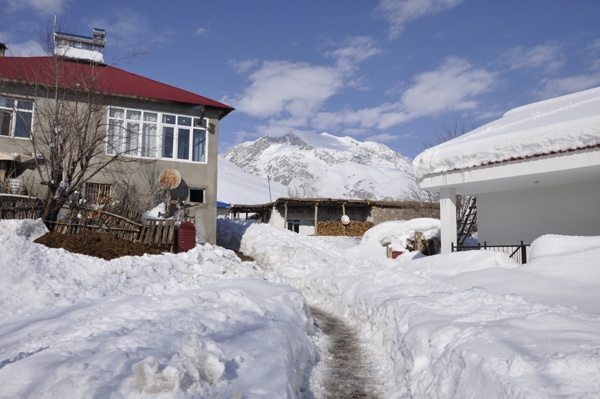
x,y
145,126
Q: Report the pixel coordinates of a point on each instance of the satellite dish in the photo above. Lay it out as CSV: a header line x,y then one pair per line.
x,y
345,220
169,179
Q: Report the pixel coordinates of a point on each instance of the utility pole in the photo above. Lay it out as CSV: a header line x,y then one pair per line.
x,y
269,181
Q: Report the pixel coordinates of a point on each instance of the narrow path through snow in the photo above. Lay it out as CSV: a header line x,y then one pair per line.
x,y
348,372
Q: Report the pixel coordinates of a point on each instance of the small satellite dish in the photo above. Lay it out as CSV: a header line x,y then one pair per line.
x,y
345,220
169,179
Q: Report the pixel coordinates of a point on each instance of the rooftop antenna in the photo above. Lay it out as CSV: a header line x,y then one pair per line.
x,y
54,32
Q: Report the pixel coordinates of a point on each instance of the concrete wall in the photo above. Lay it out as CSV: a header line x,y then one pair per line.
x,y
383,214
508,217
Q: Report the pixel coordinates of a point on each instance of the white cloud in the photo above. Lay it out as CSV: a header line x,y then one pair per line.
x,y
297,89
47,7
398,12
244,66
200,31
571,84
353,51
382,138
451,87
30,48
547,57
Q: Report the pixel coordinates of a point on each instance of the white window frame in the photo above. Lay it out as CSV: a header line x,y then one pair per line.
x,y
122,120
178,124
15,110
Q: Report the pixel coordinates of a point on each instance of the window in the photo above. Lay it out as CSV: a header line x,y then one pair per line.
x,y
152,134
15,117
98,193
184,138
294,225
197,195
132,132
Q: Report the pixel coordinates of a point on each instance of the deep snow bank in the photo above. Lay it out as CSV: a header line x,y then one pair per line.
x,y
174,326
433,338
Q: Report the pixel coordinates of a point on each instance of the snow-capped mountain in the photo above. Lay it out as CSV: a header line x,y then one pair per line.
x,y
236,186
322,165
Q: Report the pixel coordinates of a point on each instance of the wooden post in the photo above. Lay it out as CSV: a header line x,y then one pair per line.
x,y
285,213
419,241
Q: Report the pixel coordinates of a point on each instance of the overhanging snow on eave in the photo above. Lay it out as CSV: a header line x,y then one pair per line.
x,y
547,170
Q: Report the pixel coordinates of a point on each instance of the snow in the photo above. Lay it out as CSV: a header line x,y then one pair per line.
x,y
320,165
398,232
196,324
202,324
236,186
435,338
558,124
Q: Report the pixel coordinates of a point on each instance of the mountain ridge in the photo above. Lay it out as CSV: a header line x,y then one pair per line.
x,y
322,165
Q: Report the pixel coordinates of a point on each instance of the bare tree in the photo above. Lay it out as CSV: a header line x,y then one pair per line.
x,y
70,129
466,206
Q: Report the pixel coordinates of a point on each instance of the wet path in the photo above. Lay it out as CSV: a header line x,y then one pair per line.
x,y
348,373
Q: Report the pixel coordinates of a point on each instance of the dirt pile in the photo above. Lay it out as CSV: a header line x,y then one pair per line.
x,y
100,245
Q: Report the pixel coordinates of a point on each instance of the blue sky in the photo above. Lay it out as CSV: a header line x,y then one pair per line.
x,y
392,71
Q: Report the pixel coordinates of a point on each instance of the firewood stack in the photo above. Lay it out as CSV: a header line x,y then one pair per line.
x,y
336,228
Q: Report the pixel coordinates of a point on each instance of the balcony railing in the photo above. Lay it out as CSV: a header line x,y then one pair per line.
x,y
516,252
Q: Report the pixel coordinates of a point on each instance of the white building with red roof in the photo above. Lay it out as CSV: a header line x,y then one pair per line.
x,y
534,171
163,126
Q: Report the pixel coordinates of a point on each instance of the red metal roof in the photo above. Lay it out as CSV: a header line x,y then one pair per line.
x,y
104,78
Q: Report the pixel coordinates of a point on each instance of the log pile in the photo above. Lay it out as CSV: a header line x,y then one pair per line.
x,y
336,228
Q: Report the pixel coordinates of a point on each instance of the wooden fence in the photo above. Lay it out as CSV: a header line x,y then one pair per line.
x,y
74,220
159,232
19,207
78,220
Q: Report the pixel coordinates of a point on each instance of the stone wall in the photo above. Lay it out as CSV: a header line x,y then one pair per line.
x,y
383,214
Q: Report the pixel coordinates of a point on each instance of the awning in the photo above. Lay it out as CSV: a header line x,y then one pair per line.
x,y
20,162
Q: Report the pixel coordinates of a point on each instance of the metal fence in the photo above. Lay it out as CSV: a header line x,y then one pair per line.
x,y
516,252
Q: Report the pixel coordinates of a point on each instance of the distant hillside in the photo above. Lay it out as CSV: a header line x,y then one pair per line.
x,y
322,165
236,186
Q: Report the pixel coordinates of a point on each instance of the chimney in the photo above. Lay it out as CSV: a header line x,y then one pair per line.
x,y
2,49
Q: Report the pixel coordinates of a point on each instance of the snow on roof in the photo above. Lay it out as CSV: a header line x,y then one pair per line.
x,y
558,125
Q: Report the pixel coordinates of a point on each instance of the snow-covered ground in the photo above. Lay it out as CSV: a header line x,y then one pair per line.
x,y
195,325
204,325
432,324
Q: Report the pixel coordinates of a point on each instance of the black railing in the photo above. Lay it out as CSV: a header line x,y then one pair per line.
x,y
516,252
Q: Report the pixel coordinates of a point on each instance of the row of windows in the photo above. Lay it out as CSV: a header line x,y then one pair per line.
x,y
153,135
133,132
15,117
79,45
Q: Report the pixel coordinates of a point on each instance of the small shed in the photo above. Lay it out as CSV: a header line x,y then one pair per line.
x,y
222,209
306,215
